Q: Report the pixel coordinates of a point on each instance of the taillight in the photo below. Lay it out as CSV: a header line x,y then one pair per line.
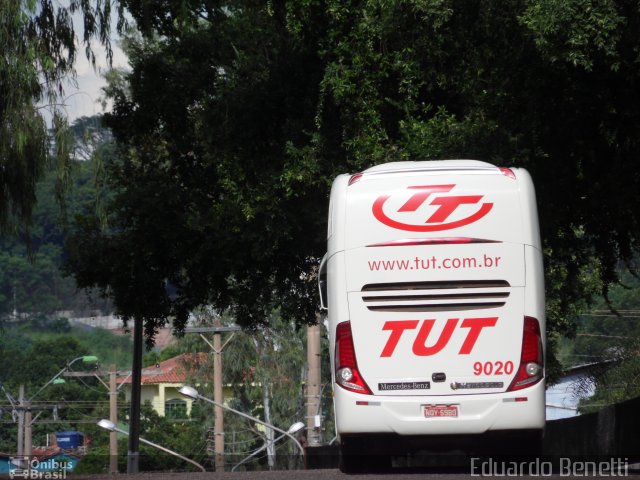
x,y
507,172
354,178
347,374
531,369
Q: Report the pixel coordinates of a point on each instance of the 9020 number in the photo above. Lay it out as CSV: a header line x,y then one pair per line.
x,y
493,368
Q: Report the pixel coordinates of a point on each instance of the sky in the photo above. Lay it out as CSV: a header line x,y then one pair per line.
x,y
82,97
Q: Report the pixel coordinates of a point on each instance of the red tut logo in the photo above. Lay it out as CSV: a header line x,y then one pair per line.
x,y
438,220
420,347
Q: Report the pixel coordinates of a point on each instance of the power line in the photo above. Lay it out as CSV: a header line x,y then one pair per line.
x,y
630,310
633,315
600,335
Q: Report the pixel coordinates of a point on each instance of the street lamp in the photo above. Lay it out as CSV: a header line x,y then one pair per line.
x,y
193,394
109,425
56,378
295,428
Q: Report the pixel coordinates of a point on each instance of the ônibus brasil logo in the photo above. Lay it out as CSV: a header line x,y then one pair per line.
x,y
446,205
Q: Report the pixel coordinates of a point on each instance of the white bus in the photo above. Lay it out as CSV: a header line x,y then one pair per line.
x,y
433,282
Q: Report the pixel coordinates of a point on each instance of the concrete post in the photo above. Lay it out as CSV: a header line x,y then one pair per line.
x,y
20,449
314,386
218,398
28,438
113,416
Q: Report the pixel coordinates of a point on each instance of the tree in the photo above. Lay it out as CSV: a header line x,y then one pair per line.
x,y
215,248
30,285
30,278
610,342
38,39
264,369
236,116
37,349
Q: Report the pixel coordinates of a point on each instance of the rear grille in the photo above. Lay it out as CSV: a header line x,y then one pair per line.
x,y
435,296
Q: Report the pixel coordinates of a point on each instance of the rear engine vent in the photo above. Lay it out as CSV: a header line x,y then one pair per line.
x,y
435,296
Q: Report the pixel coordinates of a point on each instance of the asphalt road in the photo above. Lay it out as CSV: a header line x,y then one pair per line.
x,y
336,475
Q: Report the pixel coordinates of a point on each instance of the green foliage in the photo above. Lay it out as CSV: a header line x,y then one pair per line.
x,y
609,339
615,385
443,132
185,438
576,31
218,222
261,362
31,284
23,149
38,350
30,276
264,365
96,460
154,357
40,347
36,361
39,50
236,116
271,356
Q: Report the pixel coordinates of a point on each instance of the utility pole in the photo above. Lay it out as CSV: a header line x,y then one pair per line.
x,y
133,455
24,429
271,451
112,388
25,409
113,416
218,429
217,346
21,422
314,386
28,439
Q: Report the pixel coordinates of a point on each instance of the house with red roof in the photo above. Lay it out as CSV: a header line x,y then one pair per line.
x,y
160,384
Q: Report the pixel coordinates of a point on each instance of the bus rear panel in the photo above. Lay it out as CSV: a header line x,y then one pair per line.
x,y
435,297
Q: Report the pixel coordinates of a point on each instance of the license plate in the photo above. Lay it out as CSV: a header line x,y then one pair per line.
x,y
431,411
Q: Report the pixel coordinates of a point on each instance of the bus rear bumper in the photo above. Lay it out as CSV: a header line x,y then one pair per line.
x,y
405,415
